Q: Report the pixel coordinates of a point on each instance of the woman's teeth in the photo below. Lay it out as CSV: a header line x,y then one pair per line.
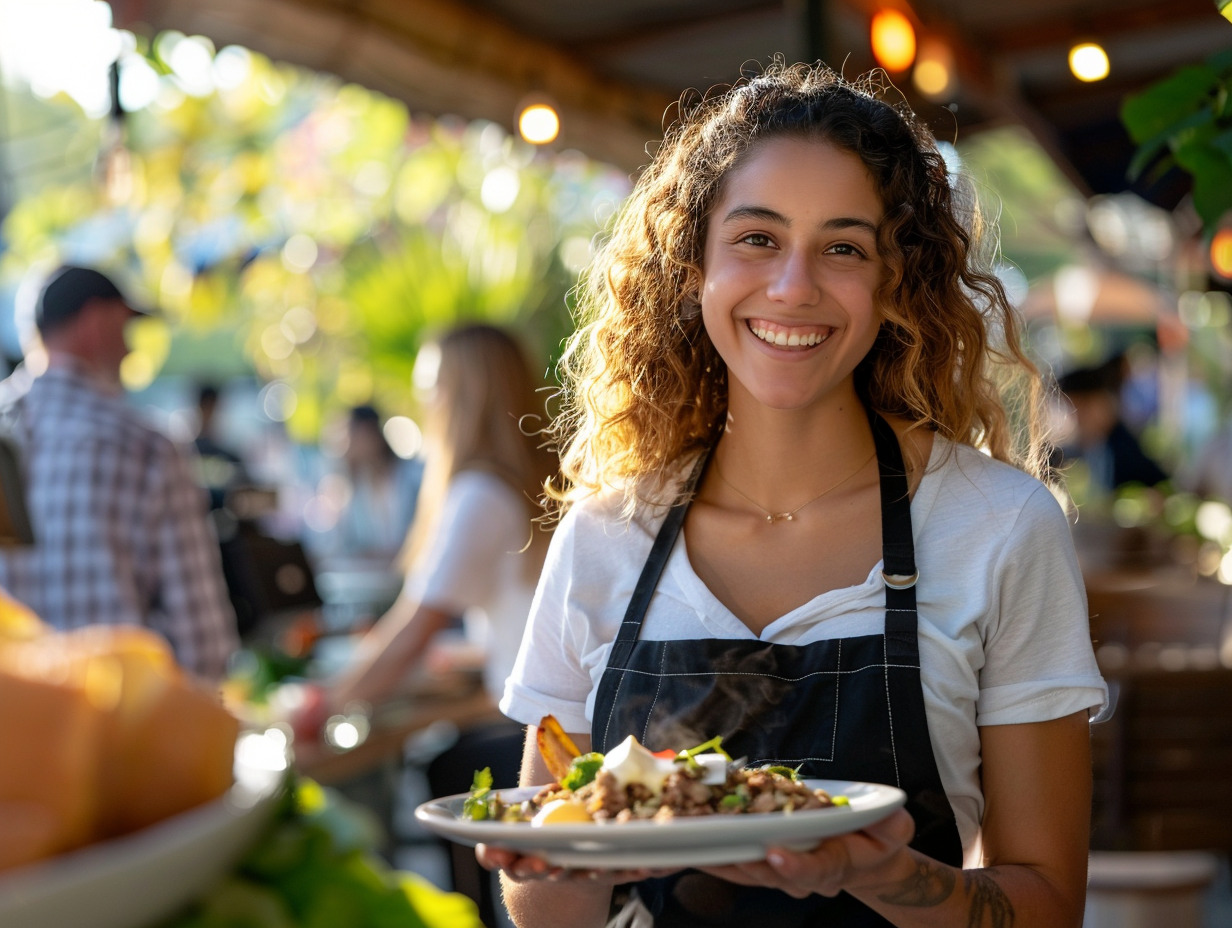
x,y
784,338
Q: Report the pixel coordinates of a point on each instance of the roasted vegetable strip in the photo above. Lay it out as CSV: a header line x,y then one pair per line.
x,y
557,748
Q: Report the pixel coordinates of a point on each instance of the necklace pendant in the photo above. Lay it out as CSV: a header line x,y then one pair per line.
x,y
780,517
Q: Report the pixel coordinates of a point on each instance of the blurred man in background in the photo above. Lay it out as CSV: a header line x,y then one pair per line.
x,y
1101,438
119,521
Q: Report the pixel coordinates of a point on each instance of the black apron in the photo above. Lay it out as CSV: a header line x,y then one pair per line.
x,y
842,709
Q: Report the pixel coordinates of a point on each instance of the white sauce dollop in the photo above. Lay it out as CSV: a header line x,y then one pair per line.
x,y
629,763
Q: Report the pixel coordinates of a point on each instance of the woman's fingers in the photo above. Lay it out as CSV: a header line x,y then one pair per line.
x,y
834,865
524,868
519,867
845,861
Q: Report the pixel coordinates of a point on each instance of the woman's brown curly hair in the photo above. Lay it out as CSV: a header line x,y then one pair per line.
x,y
643,386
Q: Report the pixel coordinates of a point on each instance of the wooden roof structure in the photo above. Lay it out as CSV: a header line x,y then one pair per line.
x,y
613,68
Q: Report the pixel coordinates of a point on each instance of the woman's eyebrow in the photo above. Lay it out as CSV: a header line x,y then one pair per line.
x,y
765,214
850,222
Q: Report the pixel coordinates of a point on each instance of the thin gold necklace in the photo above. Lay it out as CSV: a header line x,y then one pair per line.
x,y
790,515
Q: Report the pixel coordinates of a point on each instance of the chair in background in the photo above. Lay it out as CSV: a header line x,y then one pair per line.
x,y
1162,811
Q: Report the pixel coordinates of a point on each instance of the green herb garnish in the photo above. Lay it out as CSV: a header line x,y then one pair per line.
x,y
475,806
790,773
582,770
715,745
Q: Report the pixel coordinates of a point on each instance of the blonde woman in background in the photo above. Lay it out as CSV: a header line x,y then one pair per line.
x,y
474,551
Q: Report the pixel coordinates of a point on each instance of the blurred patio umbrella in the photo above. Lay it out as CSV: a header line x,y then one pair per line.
x,y
1082,294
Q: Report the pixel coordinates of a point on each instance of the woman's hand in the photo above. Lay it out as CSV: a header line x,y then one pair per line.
x,y
862,858
546,896
527,868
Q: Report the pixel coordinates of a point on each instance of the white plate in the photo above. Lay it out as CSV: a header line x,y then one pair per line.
x,y
144,877
682,842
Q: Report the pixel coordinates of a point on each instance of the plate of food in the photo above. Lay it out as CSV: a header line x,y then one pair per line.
x,y
633,808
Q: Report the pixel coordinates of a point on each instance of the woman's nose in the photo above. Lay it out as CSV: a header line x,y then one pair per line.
x,y
795,280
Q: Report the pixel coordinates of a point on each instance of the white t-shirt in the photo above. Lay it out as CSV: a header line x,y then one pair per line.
x,y
1002,613
475,567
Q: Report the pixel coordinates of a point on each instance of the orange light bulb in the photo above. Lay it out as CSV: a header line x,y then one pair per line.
x,y
1221,253
893,39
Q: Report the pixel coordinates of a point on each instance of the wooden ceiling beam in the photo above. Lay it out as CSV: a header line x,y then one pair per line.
x,y
613,40
436,55
1103,24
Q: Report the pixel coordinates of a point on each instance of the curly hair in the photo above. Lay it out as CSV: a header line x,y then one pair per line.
x,y
642,385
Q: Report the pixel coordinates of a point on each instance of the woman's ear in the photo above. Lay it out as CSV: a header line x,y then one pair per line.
x,y
690,307
691,296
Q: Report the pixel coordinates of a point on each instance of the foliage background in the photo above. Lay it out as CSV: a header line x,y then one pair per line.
x,y
310,232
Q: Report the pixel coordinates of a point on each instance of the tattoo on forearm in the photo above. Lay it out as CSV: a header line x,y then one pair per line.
x,y
990,906
930,885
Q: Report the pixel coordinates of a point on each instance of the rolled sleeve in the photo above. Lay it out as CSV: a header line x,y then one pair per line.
x,y
1039,663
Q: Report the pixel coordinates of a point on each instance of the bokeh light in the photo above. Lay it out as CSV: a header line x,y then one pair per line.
x,y
1088,62
893,40
539,124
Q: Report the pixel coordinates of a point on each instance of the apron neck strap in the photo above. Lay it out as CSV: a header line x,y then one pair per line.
x,y
897,544
656,561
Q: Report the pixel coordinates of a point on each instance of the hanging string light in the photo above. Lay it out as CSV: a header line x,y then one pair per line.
x,y
1088,62
893,40
115,162
538,122
933,74
1221,250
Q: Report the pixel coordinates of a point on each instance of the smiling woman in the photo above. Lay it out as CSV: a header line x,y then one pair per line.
x,y
793,290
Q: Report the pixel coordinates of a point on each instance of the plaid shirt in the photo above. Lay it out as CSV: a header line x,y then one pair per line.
x,y
120,524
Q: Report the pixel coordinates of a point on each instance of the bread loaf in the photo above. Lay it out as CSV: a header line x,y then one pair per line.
x,y
101,733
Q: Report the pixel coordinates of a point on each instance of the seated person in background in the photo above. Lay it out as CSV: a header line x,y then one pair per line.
x,y
1100,437
218,467
384,491
120,524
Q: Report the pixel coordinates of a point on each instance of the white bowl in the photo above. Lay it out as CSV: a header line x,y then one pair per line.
x,y
136,880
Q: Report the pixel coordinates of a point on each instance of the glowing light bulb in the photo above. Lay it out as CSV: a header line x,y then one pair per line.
x,y
1088,62
538,123
893,39
1221,251
933,74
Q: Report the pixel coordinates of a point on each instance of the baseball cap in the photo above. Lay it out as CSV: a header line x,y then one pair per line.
x,y
68,289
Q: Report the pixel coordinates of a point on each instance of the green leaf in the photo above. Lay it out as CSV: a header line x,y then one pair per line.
x,y
1161,106
1212,189
1148,151
439,909
1223,142
237,903
1221,62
